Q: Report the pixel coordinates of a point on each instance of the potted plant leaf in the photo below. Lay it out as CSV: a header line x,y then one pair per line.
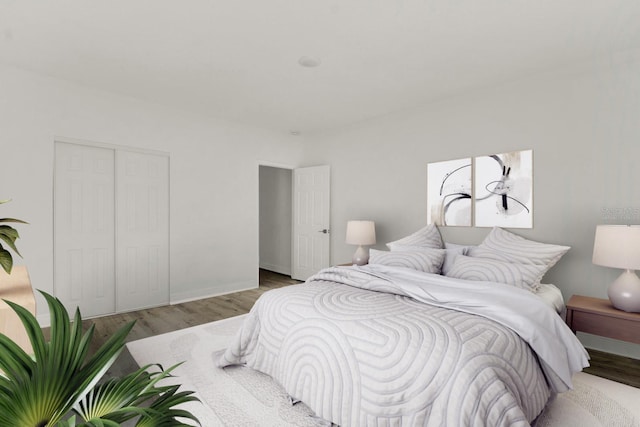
x,y
8,235
59,385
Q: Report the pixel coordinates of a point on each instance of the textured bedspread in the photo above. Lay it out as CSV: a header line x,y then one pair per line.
x,y
358,350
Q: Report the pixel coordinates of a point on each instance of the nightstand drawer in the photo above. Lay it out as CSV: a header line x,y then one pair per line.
x,y
611,327
597,316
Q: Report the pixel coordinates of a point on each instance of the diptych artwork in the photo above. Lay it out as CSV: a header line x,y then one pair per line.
x,y
449,192
504,190
490,191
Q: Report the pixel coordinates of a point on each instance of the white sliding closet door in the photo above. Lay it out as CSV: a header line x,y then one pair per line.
x,y
84,249
142,233
111,228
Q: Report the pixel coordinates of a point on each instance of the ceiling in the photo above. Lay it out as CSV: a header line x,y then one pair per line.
x,y
238,59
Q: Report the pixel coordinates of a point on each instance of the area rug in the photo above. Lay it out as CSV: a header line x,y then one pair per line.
x,y
238,396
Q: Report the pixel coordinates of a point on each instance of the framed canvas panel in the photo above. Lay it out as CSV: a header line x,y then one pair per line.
x,y
503,195
449,193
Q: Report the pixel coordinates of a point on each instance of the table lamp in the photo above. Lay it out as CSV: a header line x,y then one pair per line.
x,y
361,233
618,246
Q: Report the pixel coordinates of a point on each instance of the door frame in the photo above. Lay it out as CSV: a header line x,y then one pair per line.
x,y
270,165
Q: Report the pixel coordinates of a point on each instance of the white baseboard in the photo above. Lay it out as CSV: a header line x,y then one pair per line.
x,y
179,297
216,291
282,269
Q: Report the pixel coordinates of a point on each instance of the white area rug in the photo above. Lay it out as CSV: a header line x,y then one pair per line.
x,y
239,396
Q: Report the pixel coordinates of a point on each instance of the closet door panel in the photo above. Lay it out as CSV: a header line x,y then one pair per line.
x,y
142,230
84,253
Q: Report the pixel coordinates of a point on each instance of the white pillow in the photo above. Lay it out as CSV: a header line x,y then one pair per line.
x,y
483,269
502,245
450,258
522,250
428,237
427,260
449,254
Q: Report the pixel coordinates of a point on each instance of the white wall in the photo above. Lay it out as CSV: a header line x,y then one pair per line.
x,y
583,124
214,176
275,219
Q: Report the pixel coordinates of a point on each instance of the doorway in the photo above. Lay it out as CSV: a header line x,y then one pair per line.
x,y
294,216
275,219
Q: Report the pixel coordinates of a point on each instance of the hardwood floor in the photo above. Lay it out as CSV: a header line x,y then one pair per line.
x,y
165,319
160,320
613,367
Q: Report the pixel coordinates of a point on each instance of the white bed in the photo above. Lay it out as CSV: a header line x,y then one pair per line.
x,y
358,352
389,345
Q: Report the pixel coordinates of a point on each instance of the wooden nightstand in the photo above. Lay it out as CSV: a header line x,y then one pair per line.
x,y
597,316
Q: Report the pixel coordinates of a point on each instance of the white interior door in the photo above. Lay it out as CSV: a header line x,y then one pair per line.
x,y
84,228
311,229
142,232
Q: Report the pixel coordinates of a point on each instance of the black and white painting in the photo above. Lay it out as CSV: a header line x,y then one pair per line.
x,y
449,193
504,190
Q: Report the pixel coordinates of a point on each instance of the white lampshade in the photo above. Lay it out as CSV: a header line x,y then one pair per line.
x,y
361,233
617,246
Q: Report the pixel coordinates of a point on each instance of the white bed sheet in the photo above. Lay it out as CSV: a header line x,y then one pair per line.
x,y
553,297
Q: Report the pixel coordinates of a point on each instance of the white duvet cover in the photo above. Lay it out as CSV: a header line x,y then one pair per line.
x,y
383,346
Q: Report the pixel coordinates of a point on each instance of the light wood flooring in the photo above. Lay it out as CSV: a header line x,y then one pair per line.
x,y
160,320
165,319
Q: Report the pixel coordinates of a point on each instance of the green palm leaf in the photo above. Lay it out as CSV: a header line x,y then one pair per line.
x,y
61,378
6,260
13,220
137,395
8,235
165,407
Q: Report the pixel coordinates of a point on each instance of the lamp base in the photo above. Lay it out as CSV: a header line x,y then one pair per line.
x,y
624,292
361,257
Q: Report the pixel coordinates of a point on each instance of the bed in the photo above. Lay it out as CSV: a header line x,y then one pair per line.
x,y
388,344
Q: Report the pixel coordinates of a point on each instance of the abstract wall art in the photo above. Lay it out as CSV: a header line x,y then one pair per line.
x,y
449,193
503,195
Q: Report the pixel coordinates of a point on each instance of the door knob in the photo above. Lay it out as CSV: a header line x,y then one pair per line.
x,y
324,231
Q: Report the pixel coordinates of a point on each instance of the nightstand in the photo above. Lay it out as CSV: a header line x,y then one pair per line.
x,y
597,316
